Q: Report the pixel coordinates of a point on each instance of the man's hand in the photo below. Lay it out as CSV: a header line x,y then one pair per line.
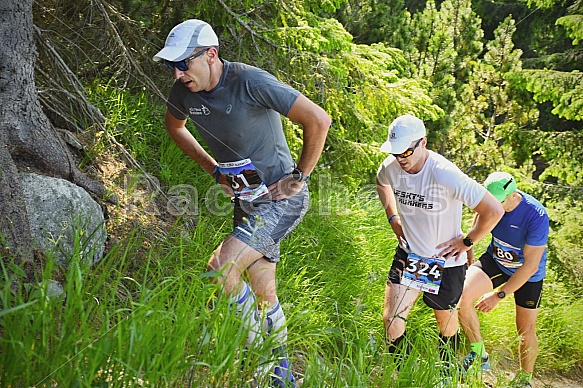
x,y
453,247
398,230
285,188
488,302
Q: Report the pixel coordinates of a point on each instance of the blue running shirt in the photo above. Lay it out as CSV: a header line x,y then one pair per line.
x,y
528,224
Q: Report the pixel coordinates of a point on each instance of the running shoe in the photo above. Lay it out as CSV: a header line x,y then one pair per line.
x,y
470,358
282,376
450,373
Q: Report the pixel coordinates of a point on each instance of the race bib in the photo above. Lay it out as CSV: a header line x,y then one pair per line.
x,y
243,178
423,273
506,255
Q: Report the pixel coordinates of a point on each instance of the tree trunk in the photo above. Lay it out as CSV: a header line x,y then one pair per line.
x,y
28,140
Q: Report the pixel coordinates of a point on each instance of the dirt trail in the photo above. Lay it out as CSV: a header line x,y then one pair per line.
x,y
502,378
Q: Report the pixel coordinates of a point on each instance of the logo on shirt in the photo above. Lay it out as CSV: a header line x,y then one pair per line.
x,y
202,111
515,226
412,199
431,198
229,109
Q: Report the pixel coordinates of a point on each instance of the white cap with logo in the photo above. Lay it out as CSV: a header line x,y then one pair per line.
x,y
184,38
402,132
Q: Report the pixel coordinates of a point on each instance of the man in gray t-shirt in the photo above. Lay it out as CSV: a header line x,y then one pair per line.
x,y
236,109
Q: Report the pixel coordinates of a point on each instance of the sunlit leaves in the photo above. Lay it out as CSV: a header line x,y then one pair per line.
x,y
564,90
574,26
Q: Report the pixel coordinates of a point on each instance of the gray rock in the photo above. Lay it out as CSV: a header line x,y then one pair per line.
x,y
54,289
58,212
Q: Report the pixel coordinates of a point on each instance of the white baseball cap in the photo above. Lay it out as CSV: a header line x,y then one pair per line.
x,y
184,38
402,132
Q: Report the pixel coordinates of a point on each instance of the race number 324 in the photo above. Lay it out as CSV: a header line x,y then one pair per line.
x,y
422,268
423,273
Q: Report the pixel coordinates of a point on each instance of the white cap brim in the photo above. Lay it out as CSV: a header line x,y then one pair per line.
x,y
171,54
394,147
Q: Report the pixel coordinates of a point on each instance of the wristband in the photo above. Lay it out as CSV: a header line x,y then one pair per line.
x,y
216,173
393,217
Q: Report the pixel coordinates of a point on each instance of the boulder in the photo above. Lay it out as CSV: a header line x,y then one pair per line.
x,y
58,213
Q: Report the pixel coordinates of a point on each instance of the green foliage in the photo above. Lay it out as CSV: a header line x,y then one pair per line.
x,y
564,90
564,152
492,108
574,26
129,118
564,206
442,45
565,251
375,21
367,94
149,315
542,3
556,320
360,86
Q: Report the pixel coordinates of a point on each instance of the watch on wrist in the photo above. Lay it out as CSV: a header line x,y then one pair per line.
x,y
501,294
298,175
468,241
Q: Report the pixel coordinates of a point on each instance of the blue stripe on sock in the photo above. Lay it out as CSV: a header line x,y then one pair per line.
x,y
246,295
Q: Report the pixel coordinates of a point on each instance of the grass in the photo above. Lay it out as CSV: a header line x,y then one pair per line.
x,y
148,315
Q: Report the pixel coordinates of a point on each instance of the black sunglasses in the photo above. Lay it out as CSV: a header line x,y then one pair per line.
x,y
183,65
408,152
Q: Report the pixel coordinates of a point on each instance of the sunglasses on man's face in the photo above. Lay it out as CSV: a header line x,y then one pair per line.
x,y
409,151
183,64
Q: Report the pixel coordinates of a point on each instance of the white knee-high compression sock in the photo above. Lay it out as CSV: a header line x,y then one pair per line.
x,y
246,306
274,324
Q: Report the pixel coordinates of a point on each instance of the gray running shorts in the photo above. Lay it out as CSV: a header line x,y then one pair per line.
x,y
263,224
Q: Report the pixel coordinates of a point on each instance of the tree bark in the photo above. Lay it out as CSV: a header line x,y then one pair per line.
x,y
28,141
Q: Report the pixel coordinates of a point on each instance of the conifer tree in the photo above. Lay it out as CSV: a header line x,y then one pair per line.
x,y
492,107
444,43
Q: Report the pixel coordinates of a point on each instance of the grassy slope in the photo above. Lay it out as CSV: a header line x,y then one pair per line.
x,y
148,315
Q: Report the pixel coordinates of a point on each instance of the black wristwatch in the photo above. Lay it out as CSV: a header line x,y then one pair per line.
x,y
468,242
298,175
501,294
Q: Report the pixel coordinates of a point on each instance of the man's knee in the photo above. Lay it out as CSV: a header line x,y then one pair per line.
x,y
214,263
466,300
223,271
395,326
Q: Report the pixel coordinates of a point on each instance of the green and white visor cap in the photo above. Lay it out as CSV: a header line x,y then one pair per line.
x,y
184,38
500,185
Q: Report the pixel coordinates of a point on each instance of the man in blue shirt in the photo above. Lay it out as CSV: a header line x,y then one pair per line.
x,y
515,261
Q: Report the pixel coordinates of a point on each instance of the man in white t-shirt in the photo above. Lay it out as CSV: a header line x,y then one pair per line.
x,y
422,194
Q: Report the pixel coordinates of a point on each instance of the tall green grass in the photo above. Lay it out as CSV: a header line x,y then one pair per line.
x,y
148,314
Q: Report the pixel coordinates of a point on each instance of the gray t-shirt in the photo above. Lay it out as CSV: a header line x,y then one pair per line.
x,y
240,118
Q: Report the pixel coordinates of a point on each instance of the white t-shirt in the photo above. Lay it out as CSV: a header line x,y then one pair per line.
x,y
430,202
